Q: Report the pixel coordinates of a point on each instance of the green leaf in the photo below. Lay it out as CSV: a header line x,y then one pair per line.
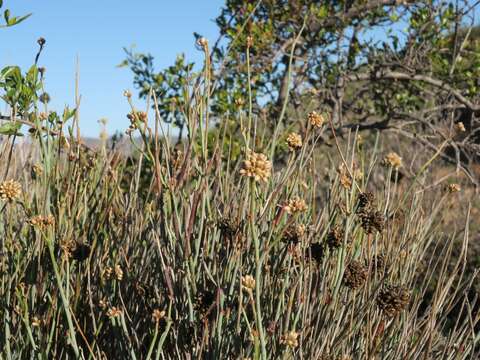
x,y
68,114
11,128
17,20
6,15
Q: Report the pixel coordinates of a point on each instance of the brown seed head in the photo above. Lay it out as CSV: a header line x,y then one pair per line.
x,y
393,159
158,315
316,120
355,275
114,312
256,166
290,339
10,190
335,237
372,221
460,127
294,141
248,282
295,206
453,188
392,299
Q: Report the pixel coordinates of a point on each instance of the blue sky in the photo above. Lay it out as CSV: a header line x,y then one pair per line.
x,y
96,32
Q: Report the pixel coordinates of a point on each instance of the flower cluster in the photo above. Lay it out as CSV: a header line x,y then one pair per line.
x,y
256,166
10,190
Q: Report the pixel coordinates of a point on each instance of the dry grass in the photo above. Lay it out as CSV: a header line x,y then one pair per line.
x,y
184,251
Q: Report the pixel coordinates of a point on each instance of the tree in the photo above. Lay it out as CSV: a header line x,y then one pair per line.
x,y
404,66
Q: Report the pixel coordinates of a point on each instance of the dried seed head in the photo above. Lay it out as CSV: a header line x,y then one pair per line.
x,y
460,127
37,171
365,200
248,282
392,299
228,228
335,237
290,339
294,233
256,166
135,117
295,206
393,159
42,222
127,94
249,41
41,41
355,275
44,98
203,43
158,315
346,175
10,190
43,116
372,221
453,188
294,141
114,312
118,272
316,120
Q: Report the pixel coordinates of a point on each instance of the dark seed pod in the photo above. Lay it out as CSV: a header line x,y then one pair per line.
x,y
335,238
372,221
355,275
81,252
365,200
392,299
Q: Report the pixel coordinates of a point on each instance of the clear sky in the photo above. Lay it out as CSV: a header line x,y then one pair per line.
x,y
96,32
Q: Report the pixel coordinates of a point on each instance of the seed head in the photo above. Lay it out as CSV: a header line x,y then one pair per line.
x,y
44,98
355,275
42,222
37,171
316,120
127,94
372,221
294,141
290,339
248,282
249,41
365,200
257,166
460,127
203,43
295,206
294,233
10,190
393,159
114,312
118,272
392,299
158,315
41,41
335,238
453,188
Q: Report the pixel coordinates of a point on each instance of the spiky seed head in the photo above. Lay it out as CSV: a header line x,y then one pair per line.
x,y
118,272
158,315
295,205
335,237
290,339
316,120
248,282
453,188
460,127
10,190
365,200
294,141
392,299
372,221
256,166
393,159
114,312
355,275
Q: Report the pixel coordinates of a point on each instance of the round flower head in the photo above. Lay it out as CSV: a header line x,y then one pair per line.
x,y
10,190
256,166
393,159
316,120
290,339
295,205
248,282
294,141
